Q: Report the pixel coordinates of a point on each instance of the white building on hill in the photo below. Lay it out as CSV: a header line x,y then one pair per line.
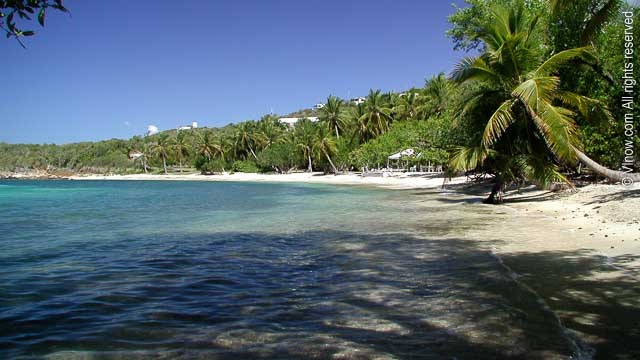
x,y
291,122
194,125
358,100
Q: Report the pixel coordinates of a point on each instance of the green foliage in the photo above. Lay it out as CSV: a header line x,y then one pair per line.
x,y
211,166
13,11
430,138
332,115
468,23
525,123
281,157
245,166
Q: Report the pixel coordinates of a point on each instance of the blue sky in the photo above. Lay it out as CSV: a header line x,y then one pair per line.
x,y
116,66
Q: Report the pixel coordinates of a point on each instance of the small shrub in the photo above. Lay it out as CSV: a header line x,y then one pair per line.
x,y
245,166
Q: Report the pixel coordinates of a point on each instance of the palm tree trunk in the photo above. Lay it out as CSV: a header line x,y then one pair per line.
x,y
253,153
310,167
497,194
612,175
164,164
180,164
333,167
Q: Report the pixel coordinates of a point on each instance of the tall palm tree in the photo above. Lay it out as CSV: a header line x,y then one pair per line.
x,y
332,115
358,122
527,126
181,147
436,95
161,148
324,145
221,147
245,139
304,138
377,115
408,106
204,145
144,149
270,130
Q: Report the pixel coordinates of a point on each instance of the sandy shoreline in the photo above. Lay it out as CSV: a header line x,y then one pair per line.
x,y
400,181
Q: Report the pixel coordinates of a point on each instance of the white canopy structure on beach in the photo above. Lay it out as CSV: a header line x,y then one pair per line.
x,y
401,154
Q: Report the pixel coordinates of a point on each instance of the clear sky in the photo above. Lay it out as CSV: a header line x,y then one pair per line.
x,y
114,67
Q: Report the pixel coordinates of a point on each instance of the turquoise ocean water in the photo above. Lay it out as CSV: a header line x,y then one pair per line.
x,y
254,270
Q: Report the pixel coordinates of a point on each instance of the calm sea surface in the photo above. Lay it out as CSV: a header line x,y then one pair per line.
x,y
241,270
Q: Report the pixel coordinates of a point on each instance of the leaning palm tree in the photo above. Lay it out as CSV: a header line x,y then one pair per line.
x,y
181,148
145,151
332,115
526,121
221,147
324,145
161,148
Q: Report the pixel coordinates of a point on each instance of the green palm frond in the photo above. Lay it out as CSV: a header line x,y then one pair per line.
x,y
558,128
468,158
537,92
554,62
586,106
498,123
598,19
474,69
542,172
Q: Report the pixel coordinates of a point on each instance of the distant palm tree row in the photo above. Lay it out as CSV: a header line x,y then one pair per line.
x,y
342,126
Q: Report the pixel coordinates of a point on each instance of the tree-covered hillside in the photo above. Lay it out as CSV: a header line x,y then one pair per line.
x,y
537,93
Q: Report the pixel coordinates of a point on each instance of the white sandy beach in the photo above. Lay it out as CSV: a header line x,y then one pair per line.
x,y
398,181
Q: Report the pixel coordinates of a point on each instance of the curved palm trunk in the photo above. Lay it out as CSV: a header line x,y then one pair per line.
x,y
333,167
310,167
253,153
612,175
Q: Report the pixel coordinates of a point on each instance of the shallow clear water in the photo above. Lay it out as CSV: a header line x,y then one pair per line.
x,y
242,270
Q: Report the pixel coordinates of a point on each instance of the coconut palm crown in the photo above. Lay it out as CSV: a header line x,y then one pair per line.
x,y
332,115
525,120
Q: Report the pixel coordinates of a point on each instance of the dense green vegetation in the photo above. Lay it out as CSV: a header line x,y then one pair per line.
x,y
345,137
541,91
